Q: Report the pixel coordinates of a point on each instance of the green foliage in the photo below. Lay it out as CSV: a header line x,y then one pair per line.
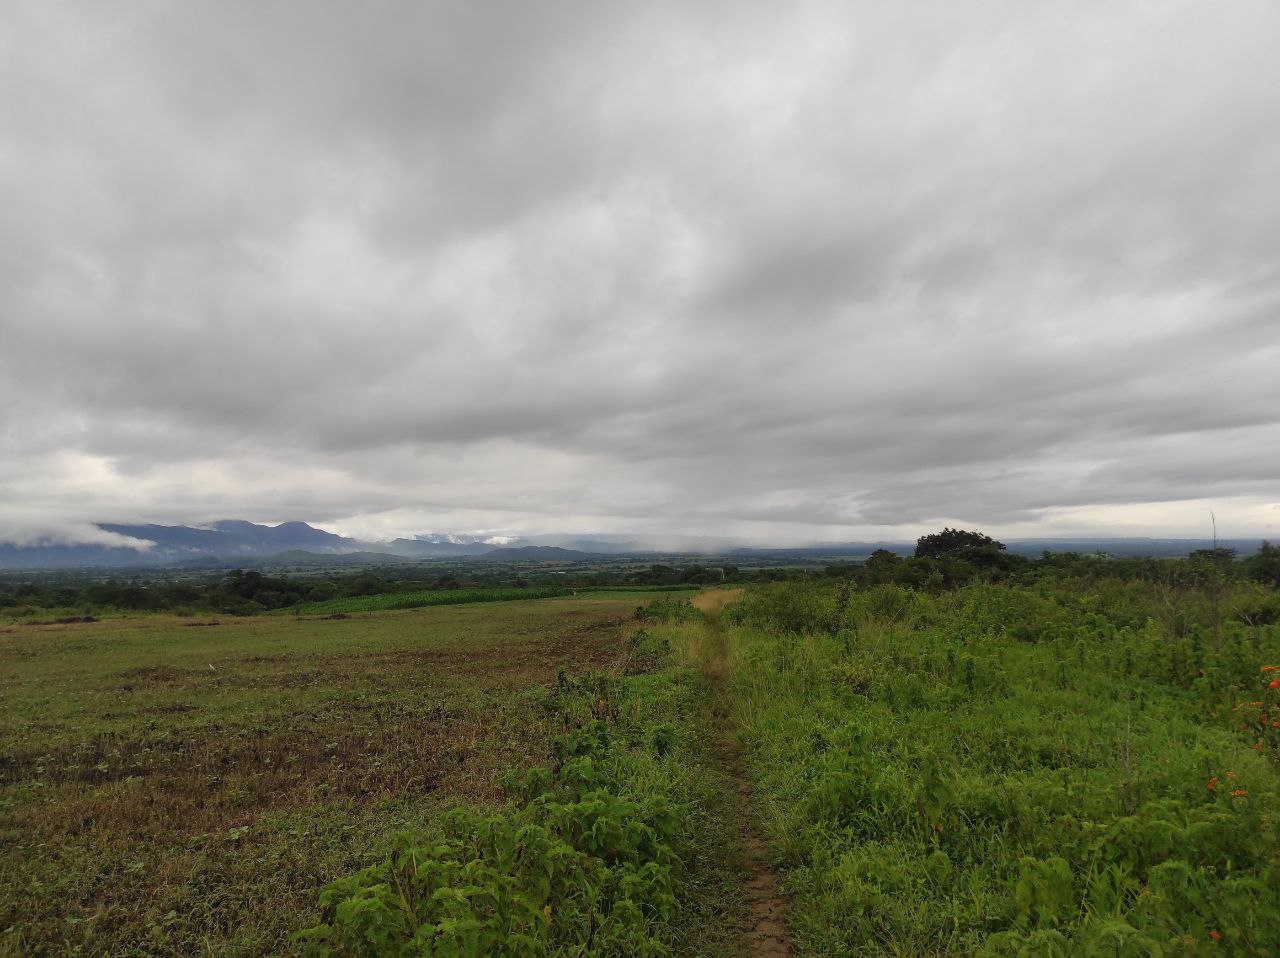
x,y
958,544
576,865
647,649
1265,565
592,857
1053,768
667,611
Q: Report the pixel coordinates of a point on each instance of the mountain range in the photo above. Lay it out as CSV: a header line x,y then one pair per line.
x,y
231,540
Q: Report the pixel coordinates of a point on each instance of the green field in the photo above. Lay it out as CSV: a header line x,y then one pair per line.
x,y
431,597
1047,768
423,599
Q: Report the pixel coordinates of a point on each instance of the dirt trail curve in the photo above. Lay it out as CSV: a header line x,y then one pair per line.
x,y
765,932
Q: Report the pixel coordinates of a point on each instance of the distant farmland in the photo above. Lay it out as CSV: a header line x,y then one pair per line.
x,y
423,599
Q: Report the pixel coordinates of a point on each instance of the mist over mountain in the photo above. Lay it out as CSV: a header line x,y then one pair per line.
x,y
237,540
536,554
231,540
235,536
436,545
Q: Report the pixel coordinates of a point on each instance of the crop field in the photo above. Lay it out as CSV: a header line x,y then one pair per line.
x,y
178,786
1053,766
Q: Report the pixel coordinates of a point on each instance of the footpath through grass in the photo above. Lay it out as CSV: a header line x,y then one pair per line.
x,y
1014,771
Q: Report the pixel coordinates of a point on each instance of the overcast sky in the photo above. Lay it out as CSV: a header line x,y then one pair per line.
x,y
787,271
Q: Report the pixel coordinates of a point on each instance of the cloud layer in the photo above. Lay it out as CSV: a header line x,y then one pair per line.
x,y
782,271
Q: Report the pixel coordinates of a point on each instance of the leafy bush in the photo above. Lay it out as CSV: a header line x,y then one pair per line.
x,y
668,610
575,865
591,857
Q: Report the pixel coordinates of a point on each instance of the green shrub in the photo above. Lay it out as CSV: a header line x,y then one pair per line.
x,y
591,856
668,610
575,865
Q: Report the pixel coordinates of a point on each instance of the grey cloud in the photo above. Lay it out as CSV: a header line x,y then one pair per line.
x,y
808,270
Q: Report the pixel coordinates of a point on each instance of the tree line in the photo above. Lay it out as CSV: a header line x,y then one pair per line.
x,y
942,560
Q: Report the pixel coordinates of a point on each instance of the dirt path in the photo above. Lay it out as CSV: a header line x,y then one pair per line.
x,y
765,930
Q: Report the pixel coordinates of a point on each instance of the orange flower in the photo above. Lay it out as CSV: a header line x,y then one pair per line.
x,y
1212,784
1274,684
1215,935
1270,668
1238,792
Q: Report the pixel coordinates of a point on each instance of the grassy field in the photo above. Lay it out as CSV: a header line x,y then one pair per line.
x,y
425,598
1015,771
182,786
1073,767
432,597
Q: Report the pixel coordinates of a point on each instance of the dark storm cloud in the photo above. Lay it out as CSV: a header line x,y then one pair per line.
x,y
816,271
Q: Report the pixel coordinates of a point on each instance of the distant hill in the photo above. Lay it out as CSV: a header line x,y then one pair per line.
x,y
436,547
232,542
1129,546
231,539
669,544
297,557
536,554
72,556
1033,548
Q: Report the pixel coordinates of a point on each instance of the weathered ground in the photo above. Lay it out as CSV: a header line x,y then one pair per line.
x,y
168,788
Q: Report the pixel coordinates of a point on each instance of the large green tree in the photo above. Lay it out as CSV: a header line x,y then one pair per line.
x,y
959,544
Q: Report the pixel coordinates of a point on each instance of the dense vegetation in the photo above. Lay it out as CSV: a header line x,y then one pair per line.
x,y
954,557
1066,766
